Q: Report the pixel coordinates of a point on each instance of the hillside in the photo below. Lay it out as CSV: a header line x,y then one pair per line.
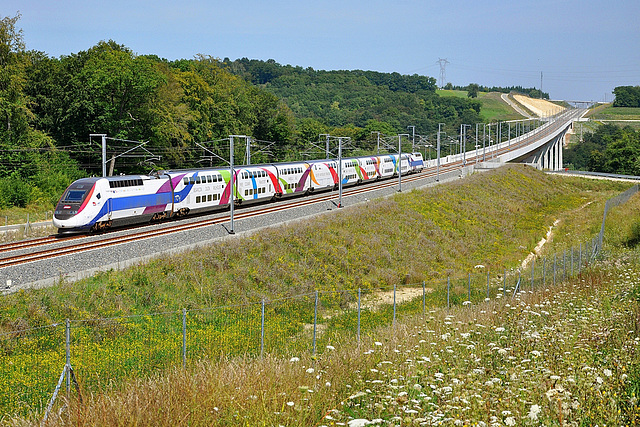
x,y
503,359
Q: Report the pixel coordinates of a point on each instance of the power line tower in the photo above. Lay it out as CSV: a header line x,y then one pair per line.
x,y
443,76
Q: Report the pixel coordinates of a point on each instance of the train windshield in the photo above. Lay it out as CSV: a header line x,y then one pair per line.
x,y
77,192
74,196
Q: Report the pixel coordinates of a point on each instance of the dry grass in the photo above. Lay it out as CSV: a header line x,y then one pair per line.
x,y
564,356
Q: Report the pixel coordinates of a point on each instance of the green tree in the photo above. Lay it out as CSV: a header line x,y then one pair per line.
x,y
472,90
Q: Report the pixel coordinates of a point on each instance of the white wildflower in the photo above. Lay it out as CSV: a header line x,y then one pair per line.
x,y
608,372
294,359
510,421
330,347
290,403
310,371
533,412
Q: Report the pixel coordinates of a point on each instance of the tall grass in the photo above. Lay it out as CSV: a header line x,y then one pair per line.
x,y
568,355
443,231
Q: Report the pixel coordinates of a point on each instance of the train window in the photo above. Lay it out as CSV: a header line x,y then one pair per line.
x,y
186,180
209,178
197,180
209,198
192,180
197,199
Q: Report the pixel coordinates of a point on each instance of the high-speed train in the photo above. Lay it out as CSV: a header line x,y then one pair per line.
x,y
95,204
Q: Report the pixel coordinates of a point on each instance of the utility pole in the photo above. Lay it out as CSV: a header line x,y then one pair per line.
x,y
413,138
104,151
438,148
443,64
400,159
378,149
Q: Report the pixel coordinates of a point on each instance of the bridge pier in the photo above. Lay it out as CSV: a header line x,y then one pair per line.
x,y
549,156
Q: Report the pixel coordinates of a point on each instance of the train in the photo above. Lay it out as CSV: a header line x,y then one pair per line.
x,y
97,204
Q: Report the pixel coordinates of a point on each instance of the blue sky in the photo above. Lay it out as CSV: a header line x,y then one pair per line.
x,y
583,48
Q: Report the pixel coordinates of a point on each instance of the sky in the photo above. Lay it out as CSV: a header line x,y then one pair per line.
x,y
577,50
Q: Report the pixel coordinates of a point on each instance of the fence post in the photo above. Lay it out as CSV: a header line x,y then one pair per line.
x,y
359,295
554,269
394,304
315,322
571,261
67,334
533,265
504,283
184,338
448,287
424,300
564,265
580,259
262,330
469,287
487,283
544,272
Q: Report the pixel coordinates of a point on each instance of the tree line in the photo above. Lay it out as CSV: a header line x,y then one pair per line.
x,y
627,96
474,88
49,107
610,149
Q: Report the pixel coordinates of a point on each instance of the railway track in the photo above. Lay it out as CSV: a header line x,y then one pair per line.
x,y
42,248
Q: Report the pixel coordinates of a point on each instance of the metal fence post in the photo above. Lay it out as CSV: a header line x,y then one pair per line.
x,y
580,259
571,261
487,283
67,333
504,283
262,330
448,288
554,269
184,338
315,322
564,265
359,296
394,304
424,299
469,287
544,272
533,265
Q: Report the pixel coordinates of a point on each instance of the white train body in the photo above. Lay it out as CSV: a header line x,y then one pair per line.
x,y
92,204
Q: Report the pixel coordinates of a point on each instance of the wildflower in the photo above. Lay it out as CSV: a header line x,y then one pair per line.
x,y
330,347
327,384
608,372
533,412
500,329
290,403
378,343
510,421
294,359
417,387
310,371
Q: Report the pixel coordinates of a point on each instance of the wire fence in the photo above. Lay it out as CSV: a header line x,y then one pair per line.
x,y
103,354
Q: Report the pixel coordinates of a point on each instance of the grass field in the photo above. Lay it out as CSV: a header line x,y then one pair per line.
x,y
609,112
493,107
425,235
563,355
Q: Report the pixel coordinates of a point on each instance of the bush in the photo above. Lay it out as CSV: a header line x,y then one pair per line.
x,y
14,191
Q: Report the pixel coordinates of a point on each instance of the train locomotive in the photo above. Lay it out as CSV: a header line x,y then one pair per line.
x,y
97,204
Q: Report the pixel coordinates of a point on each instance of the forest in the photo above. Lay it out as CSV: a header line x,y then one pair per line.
x,y
178,114
610,149
50,107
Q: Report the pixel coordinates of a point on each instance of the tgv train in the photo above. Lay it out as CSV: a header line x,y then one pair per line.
x,y
95,204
